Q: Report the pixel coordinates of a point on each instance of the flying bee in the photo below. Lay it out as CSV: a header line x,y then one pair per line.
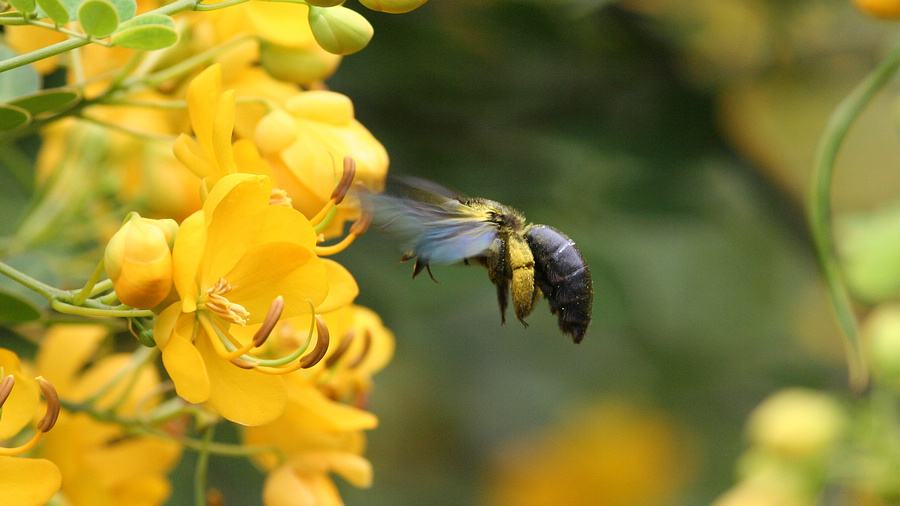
x,y
526,260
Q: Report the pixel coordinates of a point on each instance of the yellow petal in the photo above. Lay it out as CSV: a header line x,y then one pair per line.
x,y
189,246
284,24
332,415
143,490
285,224
234,210
203,100
240,395
353,468
101,373
279,268
21,406
131,459
165,324
187,369
284,488
27,482
247,158
190,153
65,350
342,288
223,127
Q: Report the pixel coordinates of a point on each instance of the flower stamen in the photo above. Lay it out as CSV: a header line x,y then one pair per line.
x,y
357,229
340,191
219,304
45,424
367,345
341,349
279,197
6,387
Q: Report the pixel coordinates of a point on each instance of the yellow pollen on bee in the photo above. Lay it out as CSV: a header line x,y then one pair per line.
x,y
217,303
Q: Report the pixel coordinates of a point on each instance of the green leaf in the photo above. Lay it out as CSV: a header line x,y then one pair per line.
x,y
48,101
22,346
24,6
147,31
98,18
14,309
125,8
12,117
55,10
17,82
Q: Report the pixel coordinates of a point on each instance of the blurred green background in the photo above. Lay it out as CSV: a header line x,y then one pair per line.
x,y
672,140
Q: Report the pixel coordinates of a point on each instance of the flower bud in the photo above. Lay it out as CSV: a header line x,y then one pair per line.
x,y
882,332
324,3
339,30
297,65
885,9
322,106
276,131
393,6
138,260
796,423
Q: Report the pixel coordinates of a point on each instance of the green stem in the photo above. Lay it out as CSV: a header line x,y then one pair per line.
x,y
88,287
186,65
819,207
202,467
27,281
218,5
93,312
101,287
139,358
150,136
40,54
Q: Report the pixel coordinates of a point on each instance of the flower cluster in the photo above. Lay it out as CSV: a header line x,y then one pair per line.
x,y
231,163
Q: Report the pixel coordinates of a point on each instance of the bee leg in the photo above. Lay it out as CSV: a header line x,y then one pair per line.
x,y
419,267
409,255
503,300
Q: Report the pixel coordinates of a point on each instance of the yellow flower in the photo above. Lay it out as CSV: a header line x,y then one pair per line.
x,y
210,155
887,9
326,133
138,260
612,455
240,262
317,436
101,464
23,481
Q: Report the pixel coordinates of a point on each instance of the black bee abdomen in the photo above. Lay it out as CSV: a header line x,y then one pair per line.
x,y
563,277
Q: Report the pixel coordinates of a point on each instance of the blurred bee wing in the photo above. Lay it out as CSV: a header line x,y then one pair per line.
x,y
441,230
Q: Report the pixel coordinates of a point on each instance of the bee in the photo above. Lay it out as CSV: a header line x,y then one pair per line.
x,y
524,260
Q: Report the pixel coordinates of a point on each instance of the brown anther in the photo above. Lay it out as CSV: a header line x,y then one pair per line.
x,y
243,364
272,317
341,349
321,346
362,224
6,387
53,405
367,345
340,191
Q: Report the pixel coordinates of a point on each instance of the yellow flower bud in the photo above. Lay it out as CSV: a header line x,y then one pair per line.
x,y
339,30
882,330
321,106
138,260
796,423
301,65
324,3
885,9
276,131
393,6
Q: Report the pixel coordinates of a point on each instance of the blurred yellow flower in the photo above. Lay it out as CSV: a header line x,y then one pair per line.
x,y
23,481
237,262
138,260
101,464
797,423
317,436
887,9
610,455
